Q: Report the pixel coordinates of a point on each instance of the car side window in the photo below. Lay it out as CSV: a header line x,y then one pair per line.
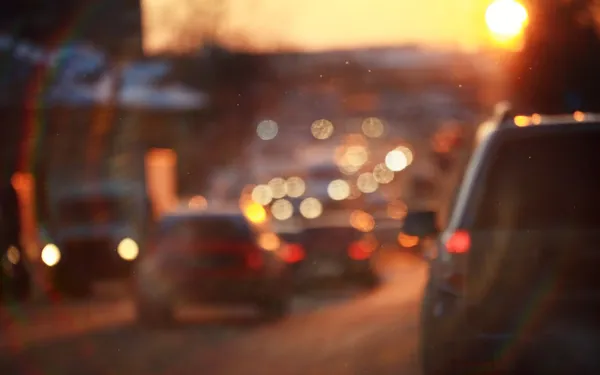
x,y
446,212
449,203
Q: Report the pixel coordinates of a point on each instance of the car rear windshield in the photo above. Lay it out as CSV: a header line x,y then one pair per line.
x,y
290,237
207,228
541,182
93,209
330,234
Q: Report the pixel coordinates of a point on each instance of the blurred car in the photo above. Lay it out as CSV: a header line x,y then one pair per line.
x,y
339,253
199,256
15,277
94,233
517,255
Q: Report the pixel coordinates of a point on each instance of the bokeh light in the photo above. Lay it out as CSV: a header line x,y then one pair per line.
x,y
351,158
278,187
362,221
348,169
383,174
262,194
356,155
282,209
396,160
397,209
522,121
372,127
295,187
311,208
366,183
267,130
13,255
407,152
322,129
338,190
255,212
128,249
50,255
269,241
198,203
407,241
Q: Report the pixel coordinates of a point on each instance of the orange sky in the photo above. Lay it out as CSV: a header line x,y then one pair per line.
x,y
317,24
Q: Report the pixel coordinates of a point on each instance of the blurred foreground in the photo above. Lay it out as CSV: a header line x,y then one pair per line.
x,y
334,332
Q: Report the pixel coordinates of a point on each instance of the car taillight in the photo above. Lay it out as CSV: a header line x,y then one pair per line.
x,y
459,242
360,250
293,253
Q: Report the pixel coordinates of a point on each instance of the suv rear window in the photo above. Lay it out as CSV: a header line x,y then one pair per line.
x,y
209,228
542,181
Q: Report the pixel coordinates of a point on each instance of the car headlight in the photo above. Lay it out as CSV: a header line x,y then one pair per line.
x,y
50,255
128,249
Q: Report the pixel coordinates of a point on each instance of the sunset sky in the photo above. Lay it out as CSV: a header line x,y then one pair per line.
x,y
317,24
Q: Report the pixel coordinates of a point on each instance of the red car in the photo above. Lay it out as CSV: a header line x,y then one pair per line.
x,y
214,258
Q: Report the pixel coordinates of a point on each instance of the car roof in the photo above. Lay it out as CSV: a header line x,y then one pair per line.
x,y
329,227
198,214
506,120
508,130
555,125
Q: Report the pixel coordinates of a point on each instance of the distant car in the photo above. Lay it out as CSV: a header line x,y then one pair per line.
x,y
516,260
213,258
94,233
335,253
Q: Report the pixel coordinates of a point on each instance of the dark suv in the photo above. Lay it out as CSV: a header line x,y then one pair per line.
x,y
514,274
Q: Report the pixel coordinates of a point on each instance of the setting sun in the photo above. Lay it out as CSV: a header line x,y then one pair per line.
x,y
313,25
506,19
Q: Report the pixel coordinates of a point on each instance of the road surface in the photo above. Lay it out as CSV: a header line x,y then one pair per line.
x,y
334,333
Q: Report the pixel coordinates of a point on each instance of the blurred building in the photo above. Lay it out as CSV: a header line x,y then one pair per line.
x,y
414,92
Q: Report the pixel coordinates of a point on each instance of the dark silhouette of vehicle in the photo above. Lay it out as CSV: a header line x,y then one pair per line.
x,y
215,258
15,278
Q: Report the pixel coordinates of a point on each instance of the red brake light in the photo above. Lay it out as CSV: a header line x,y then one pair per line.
x,y
293,253
459,243
359,250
